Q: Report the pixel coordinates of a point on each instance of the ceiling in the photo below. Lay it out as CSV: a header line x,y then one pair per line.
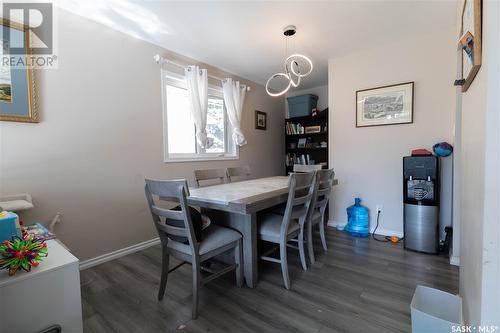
x,y
245,37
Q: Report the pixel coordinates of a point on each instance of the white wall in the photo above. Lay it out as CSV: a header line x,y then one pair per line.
x,y
320,91
480,184
100,135
368,161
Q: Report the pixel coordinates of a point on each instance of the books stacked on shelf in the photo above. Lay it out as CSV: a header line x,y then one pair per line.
x,y
303,159
292,128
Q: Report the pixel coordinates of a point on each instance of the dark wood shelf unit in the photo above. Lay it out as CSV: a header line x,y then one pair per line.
x,y
322,115
305,134
318,154
306,149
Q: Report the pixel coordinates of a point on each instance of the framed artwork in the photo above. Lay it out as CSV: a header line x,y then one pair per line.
x,y
260,120
312,129
16,82
470,41
388,105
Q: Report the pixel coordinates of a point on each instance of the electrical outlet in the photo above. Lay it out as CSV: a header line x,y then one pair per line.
x,y
380,209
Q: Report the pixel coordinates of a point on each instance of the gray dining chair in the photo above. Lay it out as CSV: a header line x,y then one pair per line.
x,y
281,229
242,172
209,177
306,168
324,183
215,241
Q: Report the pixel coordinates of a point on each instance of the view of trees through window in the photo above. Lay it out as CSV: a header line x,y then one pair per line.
x,y
215,124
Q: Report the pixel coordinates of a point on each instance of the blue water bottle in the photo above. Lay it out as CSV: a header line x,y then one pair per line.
x,y
357,219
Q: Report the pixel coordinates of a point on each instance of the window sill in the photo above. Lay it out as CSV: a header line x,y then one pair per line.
x,y
200,159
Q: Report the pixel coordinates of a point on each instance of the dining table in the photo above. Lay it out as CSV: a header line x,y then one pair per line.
x,y
236,205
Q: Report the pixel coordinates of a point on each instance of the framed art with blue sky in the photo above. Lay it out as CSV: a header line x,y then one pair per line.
x,y
16,76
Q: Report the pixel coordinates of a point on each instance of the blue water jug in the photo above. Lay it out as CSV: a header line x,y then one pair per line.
x,y
357,219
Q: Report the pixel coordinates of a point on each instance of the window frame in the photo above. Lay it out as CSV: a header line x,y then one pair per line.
x,y
231,149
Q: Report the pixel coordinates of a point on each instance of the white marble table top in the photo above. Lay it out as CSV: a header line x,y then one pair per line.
x,y
239,192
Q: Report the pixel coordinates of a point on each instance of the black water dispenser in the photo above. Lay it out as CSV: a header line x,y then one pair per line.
x,y
421,203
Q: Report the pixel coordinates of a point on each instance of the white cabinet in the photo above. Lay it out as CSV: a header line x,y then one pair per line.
x,y
48,295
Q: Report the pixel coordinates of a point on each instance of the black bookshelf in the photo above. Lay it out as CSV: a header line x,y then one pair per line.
x,y
311,151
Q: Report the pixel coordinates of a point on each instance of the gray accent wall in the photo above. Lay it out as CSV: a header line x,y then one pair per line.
x,y
100,135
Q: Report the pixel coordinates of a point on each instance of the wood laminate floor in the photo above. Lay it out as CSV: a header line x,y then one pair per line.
x,y
359,285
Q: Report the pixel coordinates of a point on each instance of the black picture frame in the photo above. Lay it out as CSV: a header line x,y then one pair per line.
x,y
408,86
260,120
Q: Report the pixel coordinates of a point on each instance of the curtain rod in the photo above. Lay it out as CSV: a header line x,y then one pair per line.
x,y
161,60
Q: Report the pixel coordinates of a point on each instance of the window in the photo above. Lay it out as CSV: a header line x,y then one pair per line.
x,y
179,129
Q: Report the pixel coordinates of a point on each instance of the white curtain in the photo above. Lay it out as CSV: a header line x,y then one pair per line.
x,y
234,96
197,87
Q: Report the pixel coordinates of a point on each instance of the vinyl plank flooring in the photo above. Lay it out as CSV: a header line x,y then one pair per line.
x,y
358,285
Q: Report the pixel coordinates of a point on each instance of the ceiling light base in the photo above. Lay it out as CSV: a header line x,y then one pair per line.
x,y
289,30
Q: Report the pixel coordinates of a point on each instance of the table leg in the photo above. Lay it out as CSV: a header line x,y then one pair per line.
x,y
246,224
248,228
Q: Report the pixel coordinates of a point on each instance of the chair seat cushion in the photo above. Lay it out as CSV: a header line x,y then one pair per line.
x,y
270,226
196,220
214,237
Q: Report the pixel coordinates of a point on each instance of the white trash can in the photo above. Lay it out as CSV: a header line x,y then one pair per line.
x,y
436,311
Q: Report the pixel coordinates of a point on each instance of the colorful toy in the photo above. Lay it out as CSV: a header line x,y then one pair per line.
x,y
443,149
22,253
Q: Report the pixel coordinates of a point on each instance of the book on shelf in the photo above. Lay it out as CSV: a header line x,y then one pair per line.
x,y
38,231
303,159
292,128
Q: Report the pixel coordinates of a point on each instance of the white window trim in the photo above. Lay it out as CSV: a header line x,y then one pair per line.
x,y
233,149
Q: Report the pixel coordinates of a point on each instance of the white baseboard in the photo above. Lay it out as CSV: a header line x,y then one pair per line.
x,y
332,223
380,231
455,261
118,253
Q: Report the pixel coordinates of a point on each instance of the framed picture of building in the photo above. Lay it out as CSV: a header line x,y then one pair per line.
x,y
387,105
16,78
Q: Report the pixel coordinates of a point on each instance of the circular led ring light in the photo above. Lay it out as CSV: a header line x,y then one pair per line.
x,y
297,55
296,83
292,67
285,75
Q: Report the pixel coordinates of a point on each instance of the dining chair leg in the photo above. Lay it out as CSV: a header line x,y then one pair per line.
x,y
165,262
322,233
238,258
310,248
301,248
284,264
196,287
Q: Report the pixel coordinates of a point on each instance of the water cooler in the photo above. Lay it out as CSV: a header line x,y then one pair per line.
x,y
421,203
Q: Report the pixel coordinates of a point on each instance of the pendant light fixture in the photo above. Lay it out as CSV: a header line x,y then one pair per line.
x,y
293,71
